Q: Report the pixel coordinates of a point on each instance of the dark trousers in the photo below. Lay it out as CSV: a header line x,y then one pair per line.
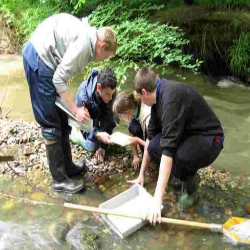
x,y
54,122
135,129
194,152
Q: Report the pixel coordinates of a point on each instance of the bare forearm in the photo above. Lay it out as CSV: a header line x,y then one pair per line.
x,y
164,174
146,159
141,142
67,97
135,151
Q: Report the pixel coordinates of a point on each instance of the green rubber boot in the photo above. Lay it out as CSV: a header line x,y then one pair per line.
x,y
186,201
190,186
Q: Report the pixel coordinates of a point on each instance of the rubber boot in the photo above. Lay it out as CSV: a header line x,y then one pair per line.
x,y
72,169
176,183
190,187
61,182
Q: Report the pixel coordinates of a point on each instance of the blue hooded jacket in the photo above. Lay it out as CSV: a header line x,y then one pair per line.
x,y
100,112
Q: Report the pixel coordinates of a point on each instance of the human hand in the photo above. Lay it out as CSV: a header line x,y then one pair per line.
x,y
133,141
82,114
154,213
104,137
136,162
139,180
99,154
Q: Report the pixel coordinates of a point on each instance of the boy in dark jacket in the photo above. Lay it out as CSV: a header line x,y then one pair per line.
x,y
97,94
184,134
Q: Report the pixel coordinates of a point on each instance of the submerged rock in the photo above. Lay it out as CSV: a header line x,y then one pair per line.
x,y
58,231
83,237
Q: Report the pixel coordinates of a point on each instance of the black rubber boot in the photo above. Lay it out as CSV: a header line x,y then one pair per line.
x,y
176,183
72,169
61,182
68,186
192,184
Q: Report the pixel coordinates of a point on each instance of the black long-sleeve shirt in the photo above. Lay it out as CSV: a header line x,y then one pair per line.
x,y
180,111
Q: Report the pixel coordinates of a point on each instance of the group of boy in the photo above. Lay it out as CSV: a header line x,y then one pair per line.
x,y
183,134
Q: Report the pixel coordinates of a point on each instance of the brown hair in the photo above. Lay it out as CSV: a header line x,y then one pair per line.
x,y
145,79
125,101
108,35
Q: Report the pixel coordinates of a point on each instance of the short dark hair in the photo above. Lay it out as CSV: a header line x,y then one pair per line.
x,y
145,79
107,78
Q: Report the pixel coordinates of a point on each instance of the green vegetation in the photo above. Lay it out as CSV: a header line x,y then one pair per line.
x,y
91,240
142,42
240,56
219,38
25,15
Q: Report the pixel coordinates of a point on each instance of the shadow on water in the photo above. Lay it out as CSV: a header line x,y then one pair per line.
x,y
27,226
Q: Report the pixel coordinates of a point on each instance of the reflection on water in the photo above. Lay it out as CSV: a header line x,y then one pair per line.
x,y
15,236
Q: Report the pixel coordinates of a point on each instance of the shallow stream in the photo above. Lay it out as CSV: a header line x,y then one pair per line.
x,y
29,226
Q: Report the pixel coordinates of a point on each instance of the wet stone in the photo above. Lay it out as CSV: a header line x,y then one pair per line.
x,y
59,230
43,147
94,161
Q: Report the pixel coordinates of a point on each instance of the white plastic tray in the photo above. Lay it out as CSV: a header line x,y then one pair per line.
x,y
132,201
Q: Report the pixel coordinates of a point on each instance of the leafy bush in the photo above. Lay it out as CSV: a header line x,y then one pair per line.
x,y
141,42
240,56
25,15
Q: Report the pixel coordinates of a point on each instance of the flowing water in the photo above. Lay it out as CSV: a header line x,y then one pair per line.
x,y
27,226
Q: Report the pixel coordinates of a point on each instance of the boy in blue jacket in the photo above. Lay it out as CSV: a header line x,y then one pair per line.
x,y
97,94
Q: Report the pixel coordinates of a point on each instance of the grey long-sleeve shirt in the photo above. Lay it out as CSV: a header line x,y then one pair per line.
x,y
66,45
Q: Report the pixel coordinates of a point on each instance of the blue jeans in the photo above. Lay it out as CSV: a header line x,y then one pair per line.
x,y
79,138
53,121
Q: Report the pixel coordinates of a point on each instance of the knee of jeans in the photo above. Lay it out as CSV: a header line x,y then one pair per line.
x,y
89,145
51,133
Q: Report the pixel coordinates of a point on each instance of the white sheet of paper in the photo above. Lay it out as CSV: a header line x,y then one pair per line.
x,y
120,138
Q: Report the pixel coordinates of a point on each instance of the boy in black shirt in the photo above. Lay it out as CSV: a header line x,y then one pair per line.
x,y
184,134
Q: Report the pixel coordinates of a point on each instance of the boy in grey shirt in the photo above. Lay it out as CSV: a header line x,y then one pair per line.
x,y
60,47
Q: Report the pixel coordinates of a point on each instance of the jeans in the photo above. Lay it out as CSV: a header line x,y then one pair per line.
x,y
77,137
53,121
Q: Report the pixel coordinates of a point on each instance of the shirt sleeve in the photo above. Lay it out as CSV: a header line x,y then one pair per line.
x,y
173,122
154,125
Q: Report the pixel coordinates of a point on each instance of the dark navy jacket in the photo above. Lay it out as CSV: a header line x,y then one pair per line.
x,y
100,112
180,111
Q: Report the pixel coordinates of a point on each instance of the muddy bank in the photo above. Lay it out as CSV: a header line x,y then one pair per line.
x,y
7,44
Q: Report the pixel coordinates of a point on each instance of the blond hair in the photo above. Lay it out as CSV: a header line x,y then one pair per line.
x,y
107,35
125,101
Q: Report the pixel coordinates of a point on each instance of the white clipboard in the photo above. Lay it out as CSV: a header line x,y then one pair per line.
x,y
120,138
73,122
